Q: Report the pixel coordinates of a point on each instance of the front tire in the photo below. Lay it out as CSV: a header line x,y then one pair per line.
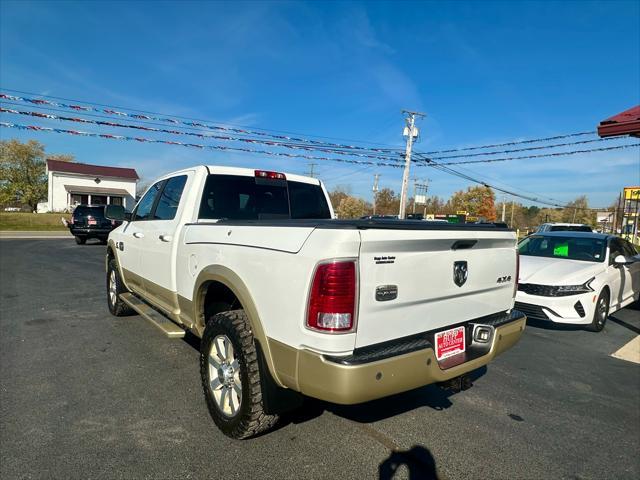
x,y
81,240
601,312
114,288
230,375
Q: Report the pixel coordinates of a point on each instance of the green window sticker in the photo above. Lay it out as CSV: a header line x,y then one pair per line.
x,y
561,250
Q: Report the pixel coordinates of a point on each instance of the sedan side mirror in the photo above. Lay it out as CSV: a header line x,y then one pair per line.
x,y
115,212
621,260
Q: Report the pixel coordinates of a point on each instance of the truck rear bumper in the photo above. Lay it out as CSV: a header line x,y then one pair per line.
x,y
348,380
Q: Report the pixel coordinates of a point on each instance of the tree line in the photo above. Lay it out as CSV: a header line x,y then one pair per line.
x,y
478,201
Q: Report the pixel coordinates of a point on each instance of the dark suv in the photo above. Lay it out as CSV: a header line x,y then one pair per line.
x,y
89,221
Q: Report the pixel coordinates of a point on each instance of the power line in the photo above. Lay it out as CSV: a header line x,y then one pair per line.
x,y
456,173
541,147
515,142
426,160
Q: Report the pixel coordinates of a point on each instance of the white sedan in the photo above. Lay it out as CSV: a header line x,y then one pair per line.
x,y
577,278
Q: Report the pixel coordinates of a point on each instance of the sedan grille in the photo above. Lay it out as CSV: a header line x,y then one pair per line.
x,y
544,290
531,311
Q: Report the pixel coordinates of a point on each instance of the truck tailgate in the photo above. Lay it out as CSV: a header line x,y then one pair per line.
x,y
420,265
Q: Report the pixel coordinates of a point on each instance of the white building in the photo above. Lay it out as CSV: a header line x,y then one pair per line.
x,y
71,184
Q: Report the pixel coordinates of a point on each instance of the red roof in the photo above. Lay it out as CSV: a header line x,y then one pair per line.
x,y
625,123
86,169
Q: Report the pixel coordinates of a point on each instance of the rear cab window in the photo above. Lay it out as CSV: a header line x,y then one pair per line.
x,y
236,197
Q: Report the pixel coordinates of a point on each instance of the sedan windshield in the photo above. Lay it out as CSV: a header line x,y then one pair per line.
x,y
570,248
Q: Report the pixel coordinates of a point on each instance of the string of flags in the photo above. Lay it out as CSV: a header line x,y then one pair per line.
x,y
192,145
136,116
193,134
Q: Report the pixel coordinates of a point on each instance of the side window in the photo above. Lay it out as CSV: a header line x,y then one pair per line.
x,y
615,249
143,209
628,249
170,198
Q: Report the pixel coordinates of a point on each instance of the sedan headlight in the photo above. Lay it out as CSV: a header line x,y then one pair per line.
x,y
563,290
556,290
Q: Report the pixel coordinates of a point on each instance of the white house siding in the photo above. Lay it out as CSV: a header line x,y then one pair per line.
x,y
59,197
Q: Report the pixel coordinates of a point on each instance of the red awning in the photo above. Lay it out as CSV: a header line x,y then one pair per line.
x,y
625,123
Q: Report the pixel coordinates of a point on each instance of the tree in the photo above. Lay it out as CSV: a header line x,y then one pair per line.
x,y
477,201
387,202
577,211
22,173
339,193
351,207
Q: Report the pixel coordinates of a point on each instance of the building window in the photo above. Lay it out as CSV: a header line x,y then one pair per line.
x,y
98,199
115,200
77,199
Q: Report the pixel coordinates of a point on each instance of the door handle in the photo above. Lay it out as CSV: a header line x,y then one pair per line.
x,y
138,234
165,238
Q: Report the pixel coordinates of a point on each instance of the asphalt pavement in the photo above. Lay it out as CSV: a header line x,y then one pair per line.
x,y
87,395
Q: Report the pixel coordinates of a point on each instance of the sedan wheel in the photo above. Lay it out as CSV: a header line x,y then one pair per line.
x,y
601,312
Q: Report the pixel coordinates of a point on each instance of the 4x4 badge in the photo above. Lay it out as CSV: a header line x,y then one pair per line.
x,y
460,272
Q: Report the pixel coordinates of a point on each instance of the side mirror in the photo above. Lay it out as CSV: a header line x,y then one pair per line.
x,y
115,212
620,260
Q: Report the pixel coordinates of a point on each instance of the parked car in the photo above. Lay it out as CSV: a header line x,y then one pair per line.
x,y
289,301
564,227
577,278
89,221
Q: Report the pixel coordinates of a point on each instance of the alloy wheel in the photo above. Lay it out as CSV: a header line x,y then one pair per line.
x,y
224,376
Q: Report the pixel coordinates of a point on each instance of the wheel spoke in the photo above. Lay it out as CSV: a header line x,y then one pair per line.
x,y
215,383
233,403
237,388
213,361
223,397
217,343
228,350
235,365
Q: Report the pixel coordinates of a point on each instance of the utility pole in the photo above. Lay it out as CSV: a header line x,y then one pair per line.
x,y
426,189
415,181
376,177
504,206
311,165
410,132
513,203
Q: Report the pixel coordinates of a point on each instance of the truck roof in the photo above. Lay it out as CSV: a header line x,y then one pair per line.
x,y
250,172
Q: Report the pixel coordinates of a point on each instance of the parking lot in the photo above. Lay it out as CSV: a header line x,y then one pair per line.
x,y
87,395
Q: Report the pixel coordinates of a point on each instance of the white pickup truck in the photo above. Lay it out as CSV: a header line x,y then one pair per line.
x,y
289,301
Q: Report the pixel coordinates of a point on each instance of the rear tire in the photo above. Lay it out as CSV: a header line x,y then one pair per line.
x,y
81,240
230,374
601,313
114,288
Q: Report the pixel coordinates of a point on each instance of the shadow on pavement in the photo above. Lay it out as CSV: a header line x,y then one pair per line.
x,y
430,396
418,461
624,324
549,325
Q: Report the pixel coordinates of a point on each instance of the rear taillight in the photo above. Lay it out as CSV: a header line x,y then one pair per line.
x,y
517,278
332,301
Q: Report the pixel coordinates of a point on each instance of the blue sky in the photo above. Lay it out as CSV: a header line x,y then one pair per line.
x,y
483,72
